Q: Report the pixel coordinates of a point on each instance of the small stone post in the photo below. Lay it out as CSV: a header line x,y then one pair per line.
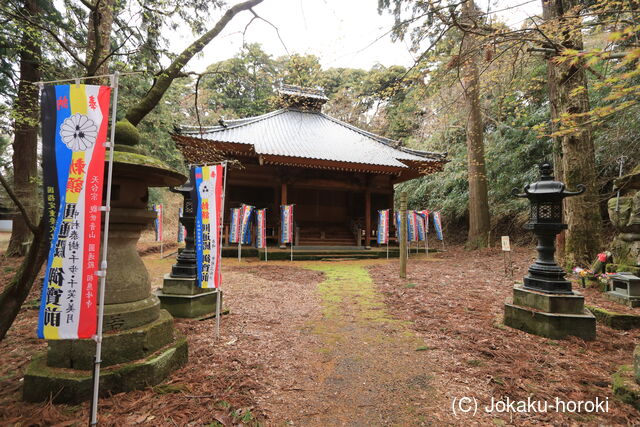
x,y
402,234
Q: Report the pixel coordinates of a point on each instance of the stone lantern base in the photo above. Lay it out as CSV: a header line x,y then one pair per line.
x,y
131,359
549,315
184,299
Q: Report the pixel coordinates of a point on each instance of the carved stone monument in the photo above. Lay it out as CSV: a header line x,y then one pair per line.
x,y
624,213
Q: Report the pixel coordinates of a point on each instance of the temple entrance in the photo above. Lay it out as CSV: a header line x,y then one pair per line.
x,y
323,217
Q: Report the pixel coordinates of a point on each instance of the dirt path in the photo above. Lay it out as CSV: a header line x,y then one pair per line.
x,y
370,369
349,343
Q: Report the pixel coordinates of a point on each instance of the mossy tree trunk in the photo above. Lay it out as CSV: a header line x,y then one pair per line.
x,y
582,213
479,223
25,156
548,15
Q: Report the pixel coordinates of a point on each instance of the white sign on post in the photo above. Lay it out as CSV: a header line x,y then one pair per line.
x,y
505,244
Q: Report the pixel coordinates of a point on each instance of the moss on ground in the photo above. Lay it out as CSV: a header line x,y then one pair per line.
x,y
349,294
350,282
624,386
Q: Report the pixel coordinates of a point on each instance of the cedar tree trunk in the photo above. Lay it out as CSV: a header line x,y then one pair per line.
x,y
479,223
25,142
583,237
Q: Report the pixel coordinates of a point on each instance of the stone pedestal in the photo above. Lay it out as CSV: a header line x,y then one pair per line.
x,y
549,315
184,299
625,289
140,346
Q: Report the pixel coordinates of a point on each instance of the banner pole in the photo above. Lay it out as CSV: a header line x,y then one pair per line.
x,y
240,250
218,295
102,273
426,243
387,247
161,230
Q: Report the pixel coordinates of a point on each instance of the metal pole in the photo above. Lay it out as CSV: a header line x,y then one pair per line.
x,y
161,230
102,273
426,243
403,235
240,249
219,294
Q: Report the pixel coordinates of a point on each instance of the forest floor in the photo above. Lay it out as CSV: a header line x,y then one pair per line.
x,y
349,343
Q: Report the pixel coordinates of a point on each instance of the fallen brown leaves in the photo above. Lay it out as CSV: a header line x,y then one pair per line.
x,y
231,381
456,304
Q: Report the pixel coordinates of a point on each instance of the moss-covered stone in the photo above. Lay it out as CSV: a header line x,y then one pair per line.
x,y
625,387
550,325
42,382
181,286
139,160
623,299
128,149
620,217
615,320
566,304
120,347
189,306
126,133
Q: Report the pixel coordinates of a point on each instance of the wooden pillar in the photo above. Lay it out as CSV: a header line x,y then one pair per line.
x,y
367,218
402,234
283,194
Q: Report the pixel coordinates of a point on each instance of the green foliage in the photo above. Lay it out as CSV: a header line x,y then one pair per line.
x,y
155,139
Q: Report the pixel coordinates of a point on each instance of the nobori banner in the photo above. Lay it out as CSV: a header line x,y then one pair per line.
x,y
420,225
158,223
74,131
437,224
412,226
261,228
383,226
235,223
246,212
208,197
286,224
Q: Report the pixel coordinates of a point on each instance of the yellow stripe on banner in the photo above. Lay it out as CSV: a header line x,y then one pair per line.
x,y
51,332
78,96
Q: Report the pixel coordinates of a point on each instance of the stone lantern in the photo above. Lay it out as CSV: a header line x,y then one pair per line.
x,y
545,220
186,259
180,294
545,304
140,346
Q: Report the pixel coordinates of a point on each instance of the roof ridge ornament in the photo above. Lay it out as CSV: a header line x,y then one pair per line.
x,y
301,98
